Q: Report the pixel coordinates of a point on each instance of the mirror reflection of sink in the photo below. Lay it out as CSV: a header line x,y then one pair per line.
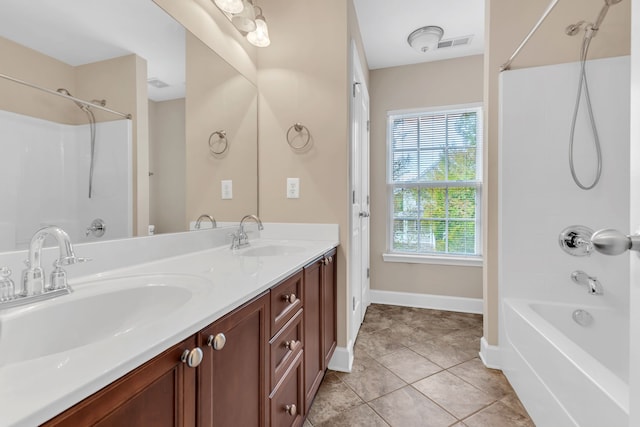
x,y
95,311
272,250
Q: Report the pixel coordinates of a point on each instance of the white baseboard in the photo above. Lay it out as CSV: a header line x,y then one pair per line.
x,y
490,355
437,302
342,359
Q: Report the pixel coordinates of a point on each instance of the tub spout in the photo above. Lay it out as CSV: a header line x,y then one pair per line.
x,y
594,287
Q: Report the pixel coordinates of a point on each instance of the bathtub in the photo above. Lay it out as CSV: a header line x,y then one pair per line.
x,y
564,373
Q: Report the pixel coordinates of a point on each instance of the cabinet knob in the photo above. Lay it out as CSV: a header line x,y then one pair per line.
x,y
217,342
291,410
192,357
330,259
292,345
290,298
325,261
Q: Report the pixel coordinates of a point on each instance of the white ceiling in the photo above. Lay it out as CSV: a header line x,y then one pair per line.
x,y
386,24
81,32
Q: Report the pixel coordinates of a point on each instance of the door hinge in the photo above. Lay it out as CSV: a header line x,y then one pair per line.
x,y
367,200
354,197
354,304
368,271
368,125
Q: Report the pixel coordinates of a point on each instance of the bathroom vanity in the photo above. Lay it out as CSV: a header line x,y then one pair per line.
x,y
253,355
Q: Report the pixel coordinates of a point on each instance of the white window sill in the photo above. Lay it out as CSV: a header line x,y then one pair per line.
x,y
433,259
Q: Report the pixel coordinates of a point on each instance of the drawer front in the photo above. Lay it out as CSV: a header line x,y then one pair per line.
x,y
287,399
286,300
284,347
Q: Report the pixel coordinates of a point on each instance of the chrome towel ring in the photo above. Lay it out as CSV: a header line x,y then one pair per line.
x,y
302,132
220,141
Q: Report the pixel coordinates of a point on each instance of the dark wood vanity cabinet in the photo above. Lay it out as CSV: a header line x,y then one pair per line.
x,y
233,376
319,321
160,393
261,365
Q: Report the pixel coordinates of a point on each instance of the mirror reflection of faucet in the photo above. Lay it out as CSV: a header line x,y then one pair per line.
x,y
594,287
214,224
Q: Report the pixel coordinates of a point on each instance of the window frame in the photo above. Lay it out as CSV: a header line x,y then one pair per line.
x,y
394,255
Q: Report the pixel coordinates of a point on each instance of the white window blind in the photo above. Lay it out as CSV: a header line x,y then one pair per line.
x,y
435,181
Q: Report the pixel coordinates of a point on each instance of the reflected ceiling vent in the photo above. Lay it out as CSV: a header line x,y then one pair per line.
x,y
157,83
460,41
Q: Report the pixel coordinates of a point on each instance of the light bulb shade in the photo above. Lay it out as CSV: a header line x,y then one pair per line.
x,y
260,36
425,39
230,6
245,20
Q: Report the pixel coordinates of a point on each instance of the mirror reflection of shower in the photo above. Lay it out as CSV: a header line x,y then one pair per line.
x,y
590,31
92,125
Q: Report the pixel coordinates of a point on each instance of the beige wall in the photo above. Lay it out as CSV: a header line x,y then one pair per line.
x,y
167,163
507,22
431,84
208,23
218,98
303,77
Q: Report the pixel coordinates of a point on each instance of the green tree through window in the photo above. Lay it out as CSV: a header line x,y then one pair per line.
x,y
435,183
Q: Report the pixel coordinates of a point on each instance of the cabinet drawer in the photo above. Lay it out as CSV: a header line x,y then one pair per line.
x,y
286,300
287,399
284,346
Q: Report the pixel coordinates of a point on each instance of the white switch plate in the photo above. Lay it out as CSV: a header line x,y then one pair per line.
x,y
293,188
227,189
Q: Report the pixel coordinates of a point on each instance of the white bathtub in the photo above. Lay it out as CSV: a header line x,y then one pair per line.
x,y
567,374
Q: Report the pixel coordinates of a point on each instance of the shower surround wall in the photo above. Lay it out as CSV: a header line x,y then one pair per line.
x,y
549,359
45,171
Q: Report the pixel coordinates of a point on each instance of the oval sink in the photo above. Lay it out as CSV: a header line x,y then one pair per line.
x,y
272,250
95,311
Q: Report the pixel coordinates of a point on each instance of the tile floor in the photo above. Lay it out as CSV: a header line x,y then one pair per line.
x,y
417,367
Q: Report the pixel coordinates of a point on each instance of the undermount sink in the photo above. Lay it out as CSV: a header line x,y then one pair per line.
x,y
272,250
95,311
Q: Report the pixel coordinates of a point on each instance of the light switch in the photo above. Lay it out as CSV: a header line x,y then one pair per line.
x,y
293,188
227,189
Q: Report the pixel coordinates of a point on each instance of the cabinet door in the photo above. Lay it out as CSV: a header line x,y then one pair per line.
x,y
329,331
233,377
159,393
313,357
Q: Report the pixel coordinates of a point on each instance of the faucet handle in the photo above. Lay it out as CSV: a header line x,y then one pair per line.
x,y
7,287
68,260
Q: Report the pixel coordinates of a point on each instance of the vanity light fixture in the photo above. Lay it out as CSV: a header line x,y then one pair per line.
x,y
260,36
230,6
248,19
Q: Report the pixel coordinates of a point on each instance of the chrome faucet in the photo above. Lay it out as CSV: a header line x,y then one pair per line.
x,y
205,216
33,286
593,285
240,238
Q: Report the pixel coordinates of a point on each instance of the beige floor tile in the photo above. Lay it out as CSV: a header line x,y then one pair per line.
x,y
498,415
375,320
453,394
360,416
307,424
409,365
444,353
512,401
373,382
410,335
333,397
491,381
378,343
408,407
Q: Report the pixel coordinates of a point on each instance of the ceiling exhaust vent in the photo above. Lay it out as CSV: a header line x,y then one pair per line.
x,y
460,41
156,82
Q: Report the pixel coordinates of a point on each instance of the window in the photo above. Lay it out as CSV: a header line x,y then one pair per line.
x,y
435,182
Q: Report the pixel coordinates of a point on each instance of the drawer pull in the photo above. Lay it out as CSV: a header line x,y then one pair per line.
x,y
192,357
217,342
292,345
290,298
291,410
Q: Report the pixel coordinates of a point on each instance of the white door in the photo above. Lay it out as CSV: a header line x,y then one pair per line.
x,y
359,244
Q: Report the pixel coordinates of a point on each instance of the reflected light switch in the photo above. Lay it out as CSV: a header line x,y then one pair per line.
x,y
293,188
227,189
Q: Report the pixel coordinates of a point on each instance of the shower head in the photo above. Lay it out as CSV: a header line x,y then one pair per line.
x,y
66,92
611,2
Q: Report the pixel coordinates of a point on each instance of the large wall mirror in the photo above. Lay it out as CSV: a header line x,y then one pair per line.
x,y
194,112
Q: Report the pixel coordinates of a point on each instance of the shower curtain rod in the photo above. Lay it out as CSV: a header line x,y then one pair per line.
x,y
72,98
546,13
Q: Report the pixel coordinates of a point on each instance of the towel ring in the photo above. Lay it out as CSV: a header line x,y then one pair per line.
x,y
222,139
300,129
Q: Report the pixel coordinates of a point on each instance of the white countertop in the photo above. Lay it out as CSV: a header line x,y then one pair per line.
x,y
36,390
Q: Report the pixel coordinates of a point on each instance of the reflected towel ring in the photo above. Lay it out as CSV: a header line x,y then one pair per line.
x,y
222,140
300,129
